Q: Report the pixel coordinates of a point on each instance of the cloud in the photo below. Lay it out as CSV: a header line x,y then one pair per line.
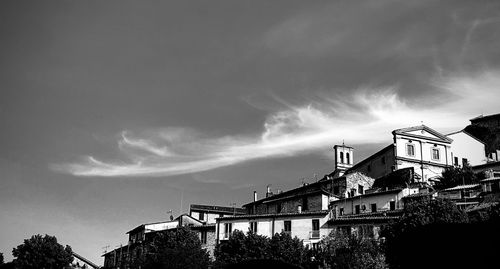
x,y
364,117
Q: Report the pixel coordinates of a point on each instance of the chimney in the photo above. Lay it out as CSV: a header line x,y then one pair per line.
x,y
254,196
268,191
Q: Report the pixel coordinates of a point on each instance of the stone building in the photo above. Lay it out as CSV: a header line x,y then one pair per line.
x,y
426,150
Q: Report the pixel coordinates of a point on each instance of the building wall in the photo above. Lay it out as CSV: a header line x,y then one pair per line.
x,y
422,153
301,226
465,146
315,202
378,165
381,200
209,218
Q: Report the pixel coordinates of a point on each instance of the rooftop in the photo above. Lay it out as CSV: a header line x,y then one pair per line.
x,y
462,187
289,214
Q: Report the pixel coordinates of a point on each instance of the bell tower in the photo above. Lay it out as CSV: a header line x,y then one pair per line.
x,y
344,158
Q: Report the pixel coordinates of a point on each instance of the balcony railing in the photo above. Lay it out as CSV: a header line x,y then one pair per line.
x,y
314,234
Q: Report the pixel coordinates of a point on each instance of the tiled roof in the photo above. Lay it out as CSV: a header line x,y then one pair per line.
x,y
289,214
462,187
217,209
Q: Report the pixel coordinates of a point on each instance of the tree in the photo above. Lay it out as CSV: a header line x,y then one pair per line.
x,y
285,248
454,176
42,252
341,250
1,258
177,248
420,227
240,249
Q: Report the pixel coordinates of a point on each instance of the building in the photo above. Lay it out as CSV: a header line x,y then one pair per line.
x,y
302,212
420,147
366,213
462,195
201,220
466,149
489,121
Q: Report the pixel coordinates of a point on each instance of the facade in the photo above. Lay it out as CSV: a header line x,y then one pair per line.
x,y
201,220
466,149
301,212
425,150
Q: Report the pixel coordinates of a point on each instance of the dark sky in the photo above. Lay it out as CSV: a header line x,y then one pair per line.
x,y
114,112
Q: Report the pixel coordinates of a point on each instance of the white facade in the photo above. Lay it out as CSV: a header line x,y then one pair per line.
x,y
301,226
424,149
371,203
466,148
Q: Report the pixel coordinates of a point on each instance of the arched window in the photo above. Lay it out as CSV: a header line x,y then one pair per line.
x,y
347,158
341,157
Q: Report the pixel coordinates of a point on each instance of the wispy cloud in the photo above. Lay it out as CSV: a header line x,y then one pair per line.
x,y
365,116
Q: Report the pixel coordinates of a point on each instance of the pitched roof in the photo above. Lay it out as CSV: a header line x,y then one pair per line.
x,y
467,133
404,131
217,209
482,117
462,187
288,214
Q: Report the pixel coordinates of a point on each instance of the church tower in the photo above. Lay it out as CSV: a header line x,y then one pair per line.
x,y
344,158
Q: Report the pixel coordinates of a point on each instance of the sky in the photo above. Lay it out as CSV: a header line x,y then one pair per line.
x,y
113,112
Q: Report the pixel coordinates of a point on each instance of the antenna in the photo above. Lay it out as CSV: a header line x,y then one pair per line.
x,y
171,216
105,248
234,208
182,197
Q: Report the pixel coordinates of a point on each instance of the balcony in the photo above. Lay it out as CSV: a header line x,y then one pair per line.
x,y
314,234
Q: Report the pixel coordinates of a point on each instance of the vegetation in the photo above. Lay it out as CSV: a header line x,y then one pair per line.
x,y
340,250
42,252
241,248
454,176
178,248
416,229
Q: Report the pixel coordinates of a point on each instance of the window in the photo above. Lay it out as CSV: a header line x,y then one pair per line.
x,y
392,205
357,209
456,161
278,207
315,224
315,228
353,191
202,216
305,206
360,189
410,150
287,226
374,207
383,159
253,226
336,190
347,158
341,157
203,237
228,227
465,162
435,154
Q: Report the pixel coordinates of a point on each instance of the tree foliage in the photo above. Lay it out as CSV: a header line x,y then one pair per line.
x,y
417,217
1,258
42,252
240,248
340,250
454,176
178,248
